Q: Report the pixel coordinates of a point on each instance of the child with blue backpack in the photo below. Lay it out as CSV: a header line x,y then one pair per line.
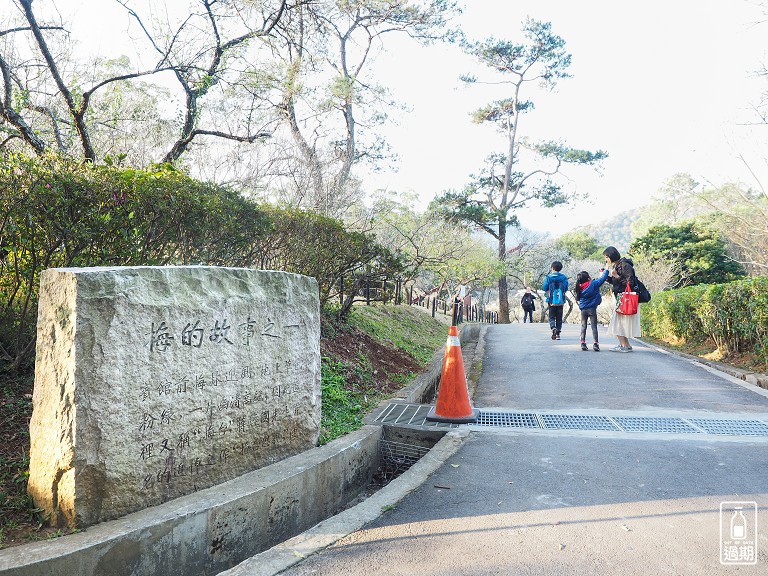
x,y
555,285
587,292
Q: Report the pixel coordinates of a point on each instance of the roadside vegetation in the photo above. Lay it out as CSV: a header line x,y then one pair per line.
x,y
722,322
19,520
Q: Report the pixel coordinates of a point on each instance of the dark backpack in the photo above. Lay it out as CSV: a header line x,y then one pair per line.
x,y
527,301
643,294
556,296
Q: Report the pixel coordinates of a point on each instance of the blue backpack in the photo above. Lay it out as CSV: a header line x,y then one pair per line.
x,y
556,296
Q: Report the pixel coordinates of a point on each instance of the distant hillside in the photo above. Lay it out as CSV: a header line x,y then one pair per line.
x,y
616,231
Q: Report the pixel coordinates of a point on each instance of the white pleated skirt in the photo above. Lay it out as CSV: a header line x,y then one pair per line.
x,y
624,325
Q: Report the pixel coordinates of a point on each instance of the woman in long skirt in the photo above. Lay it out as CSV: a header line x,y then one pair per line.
x,y
623,326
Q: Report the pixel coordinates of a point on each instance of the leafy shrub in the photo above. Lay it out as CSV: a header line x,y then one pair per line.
x,y
55,212
733,315
315,245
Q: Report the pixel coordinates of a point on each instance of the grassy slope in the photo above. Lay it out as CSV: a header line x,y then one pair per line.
x,y
382,350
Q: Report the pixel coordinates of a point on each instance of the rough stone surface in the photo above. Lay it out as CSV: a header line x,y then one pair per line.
x,y
155,382
214,529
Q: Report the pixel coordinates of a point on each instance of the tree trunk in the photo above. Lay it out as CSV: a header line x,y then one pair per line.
x,y
76,112
570,309
349,300
503,296
503,301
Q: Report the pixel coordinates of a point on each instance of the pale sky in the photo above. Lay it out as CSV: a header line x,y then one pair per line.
x,y
662,85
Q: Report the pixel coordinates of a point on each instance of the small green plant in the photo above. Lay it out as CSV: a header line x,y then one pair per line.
x,y
343,409
17,510
363,367
402,379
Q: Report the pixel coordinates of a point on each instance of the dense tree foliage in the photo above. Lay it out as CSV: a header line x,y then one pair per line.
x,y
696,247
580,245
737,212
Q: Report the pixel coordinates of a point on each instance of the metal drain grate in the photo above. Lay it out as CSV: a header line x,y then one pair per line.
x,y
409,415
507,419
731,427
643,424
401,414
398,454
394,459
577,422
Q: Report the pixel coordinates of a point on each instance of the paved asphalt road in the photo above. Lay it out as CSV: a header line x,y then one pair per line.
x,y
563,501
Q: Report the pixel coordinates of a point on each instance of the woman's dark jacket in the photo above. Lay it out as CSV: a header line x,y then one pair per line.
x,y
626,273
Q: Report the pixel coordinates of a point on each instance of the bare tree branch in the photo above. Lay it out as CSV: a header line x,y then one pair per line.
x,y
195,91
250,138
14,118
77,112
28,29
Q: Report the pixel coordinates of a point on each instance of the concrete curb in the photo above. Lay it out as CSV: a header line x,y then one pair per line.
x,y
475,367
329,531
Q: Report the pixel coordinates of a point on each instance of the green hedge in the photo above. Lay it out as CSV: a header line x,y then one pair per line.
x,y
55,212
733,315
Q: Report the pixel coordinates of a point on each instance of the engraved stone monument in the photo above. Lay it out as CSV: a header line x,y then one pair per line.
x,y
154,382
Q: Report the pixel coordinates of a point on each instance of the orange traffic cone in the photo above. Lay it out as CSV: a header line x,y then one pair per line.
x,y
453,403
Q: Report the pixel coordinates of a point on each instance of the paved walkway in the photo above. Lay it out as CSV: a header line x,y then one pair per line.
x,y
568,501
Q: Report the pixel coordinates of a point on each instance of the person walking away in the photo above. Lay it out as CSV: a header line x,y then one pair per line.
x,y
556,285
528,304
623,326
587,292
456,309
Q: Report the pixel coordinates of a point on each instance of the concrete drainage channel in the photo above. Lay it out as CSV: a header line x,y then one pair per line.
x,y
328,531
266,520
212,530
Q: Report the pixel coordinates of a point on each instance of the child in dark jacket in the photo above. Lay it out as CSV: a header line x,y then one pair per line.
x,y
588,296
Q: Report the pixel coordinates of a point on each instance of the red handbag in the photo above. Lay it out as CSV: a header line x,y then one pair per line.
x,y
627,303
